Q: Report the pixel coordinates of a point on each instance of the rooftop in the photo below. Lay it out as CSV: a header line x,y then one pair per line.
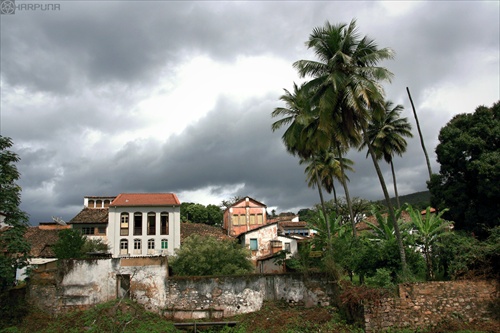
x,y
145,199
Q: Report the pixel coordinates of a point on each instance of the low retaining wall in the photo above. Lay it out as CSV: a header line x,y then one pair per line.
x,y
421,305
217,297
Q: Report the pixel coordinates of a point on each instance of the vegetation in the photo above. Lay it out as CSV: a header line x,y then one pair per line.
x,y
198,213
200,256
333,110
72,244
14,249
467,183
274,317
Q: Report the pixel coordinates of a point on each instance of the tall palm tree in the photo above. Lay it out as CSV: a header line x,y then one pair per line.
x,y
303,137
347,83
386,133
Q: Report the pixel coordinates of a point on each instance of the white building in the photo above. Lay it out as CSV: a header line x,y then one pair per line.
x,y
132,224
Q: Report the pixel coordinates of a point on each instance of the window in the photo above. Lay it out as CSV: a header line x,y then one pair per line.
x,y
253,244
243,220
164,244
252,219
288,248
151,224
137,224
101,230
137,244
123,246
164,223
276,244
124,224
260,219
88,230
151,244
236,219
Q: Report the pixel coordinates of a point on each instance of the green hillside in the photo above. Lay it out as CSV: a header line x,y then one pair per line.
x,y
418,199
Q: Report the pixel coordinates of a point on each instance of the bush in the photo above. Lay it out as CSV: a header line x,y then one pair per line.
x,y
200,256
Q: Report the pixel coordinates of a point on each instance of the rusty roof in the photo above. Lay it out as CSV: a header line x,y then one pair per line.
x,y
91,215
360,226
201,229
145,199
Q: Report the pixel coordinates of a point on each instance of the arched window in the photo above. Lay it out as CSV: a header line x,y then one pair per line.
x,y
98,204
151,245
106,203
137,224
164,223
151,224
123,246
137,246
124,224
164,244
91,204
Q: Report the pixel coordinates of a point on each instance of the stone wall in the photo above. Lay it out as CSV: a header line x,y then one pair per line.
x,y
420,305
217,297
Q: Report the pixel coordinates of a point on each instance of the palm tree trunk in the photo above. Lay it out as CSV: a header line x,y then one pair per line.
x,y
335,197
395,186
322,202
346,191
421,137
390,208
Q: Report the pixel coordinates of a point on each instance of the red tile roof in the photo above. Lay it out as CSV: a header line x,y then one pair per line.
x,y
146,199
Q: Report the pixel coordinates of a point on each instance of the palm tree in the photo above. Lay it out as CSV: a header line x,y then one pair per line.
x,y
347,84
386,134
303,136
329,169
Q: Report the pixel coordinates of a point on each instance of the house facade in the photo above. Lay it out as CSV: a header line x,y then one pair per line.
x,y
244,215
132,224
265,241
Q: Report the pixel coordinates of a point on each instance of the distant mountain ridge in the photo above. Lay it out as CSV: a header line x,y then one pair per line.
x,y
418,199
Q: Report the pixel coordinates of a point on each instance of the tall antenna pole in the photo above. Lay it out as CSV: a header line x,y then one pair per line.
x,y
420,134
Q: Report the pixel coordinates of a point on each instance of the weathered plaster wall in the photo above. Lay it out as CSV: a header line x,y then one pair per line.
x,y
216,297
424,304
82,283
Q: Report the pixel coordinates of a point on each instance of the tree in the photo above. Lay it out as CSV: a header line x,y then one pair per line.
x,y
386,132
347,85
14,248
428,230
215,215
70,244
303,137
467,183
200,256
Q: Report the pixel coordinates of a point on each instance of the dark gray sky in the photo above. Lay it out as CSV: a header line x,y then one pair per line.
x,y
107,97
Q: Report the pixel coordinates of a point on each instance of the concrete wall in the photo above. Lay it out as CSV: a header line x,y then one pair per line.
x,y
424,304
82,283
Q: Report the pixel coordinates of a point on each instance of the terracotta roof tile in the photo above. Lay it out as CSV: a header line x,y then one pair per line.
x,y
146,199
41,241
288,224
91,215
188,229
